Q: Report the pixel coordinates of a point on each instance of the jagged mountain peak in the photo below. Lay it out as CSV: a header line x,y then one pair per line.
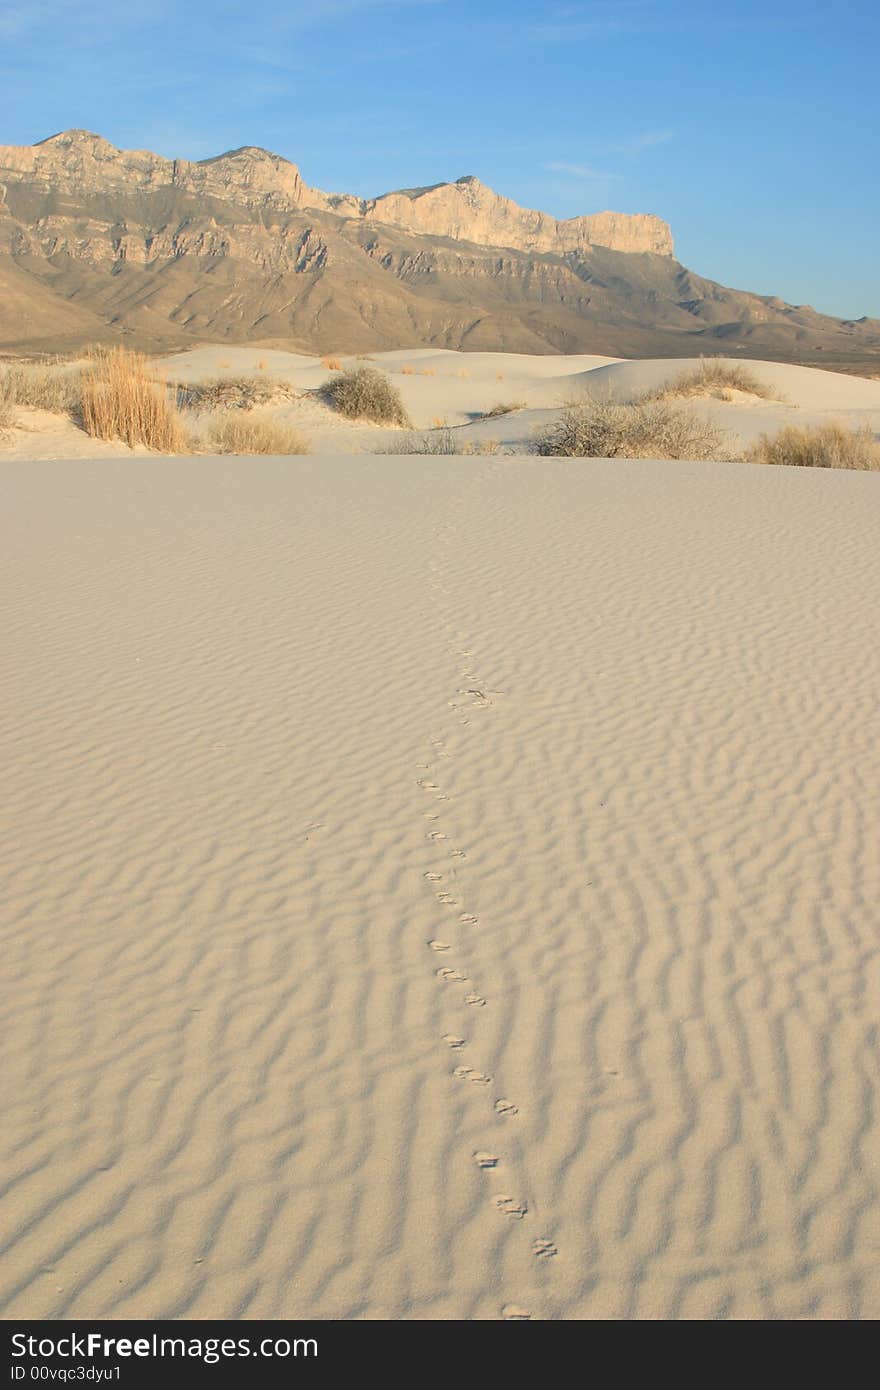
x,y
97,241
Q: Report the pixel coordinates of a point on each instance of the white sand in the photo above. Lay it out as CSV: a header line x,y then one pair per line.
x,y
457,389
608,731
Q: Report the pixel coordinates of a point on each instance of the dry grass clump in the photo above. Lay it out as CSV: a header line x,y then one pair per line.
x,y
7,411
121,400
365,393
589,428
249,434
715,376
55,388
834,445
332,364
442,441
503,408
232,392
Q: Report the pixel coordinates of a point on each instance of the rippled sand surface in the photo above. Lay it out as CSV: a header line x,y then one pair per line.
x,y
440,888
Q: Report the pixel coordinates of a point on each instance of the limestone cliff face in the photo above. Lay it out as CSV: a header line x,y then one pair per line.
x,y
100,244
469,211
77,162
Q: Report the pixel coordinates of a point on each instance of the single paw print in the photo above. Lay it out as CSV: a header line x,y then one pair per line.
x,y
510,1206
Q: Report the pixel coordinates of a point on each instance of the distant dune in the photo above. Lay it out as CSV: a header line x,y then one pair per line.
x,y
478,401
442,887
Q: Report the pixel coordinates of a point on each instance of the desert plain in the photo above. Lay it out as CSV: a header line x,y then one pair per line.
x,y
441,886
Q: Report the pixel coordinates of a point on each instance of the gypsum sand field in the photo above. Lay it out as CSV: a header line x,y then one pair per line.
x,y
440,888
457,402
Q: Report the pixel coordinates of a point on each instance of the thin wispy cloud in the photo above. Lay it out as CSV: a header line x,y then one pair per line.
x,y
579,171
636,144
568,23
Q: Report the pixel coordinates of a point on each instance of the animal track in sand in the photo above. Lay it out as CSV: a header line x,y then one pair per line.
x,y
506,1107
512,1312
428,786
468,919
459,854
439,945
469,1074
486,1160
544,1249
510,1206
453,1040
433,878
437,835
476,1000
450,976
447,899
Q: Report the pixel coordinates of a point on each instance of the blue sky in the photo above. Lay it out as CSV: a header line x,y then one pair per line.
x,y
753,128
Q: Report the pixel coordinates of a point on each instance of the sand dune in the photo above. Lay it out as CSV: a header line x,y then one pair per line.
x,y
461,390
440,888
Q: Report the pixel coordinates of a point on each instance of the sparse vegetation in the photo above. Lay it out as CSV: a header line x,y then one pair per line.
x,y
7,411
365,393
715,376
503,408
121,400
232,392
56,388
833,445
444,440
250,434
332,364
589,428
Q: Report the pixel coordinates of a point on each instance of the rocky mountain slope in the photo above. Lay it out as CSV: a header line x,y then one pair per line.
x,y
99,243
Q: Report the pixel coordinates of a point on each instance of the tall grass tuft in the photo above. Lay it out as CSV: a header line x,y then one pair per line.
x,y
833,445
121,400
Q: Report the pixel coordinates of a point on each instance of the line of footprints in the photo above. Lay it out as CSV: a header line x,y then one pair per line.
x,y
542,1247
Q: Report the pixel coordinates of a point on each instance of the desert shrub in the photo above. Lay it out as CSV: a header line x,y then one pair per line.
x,y
713,377
249,434
331,364
232,392
440,441
365,393
503,408
589,428
55,388
833,445
121,400
436,441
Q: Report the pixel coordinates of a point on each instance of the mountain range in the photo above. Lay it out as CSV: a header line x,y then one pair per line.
x,y
100,244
